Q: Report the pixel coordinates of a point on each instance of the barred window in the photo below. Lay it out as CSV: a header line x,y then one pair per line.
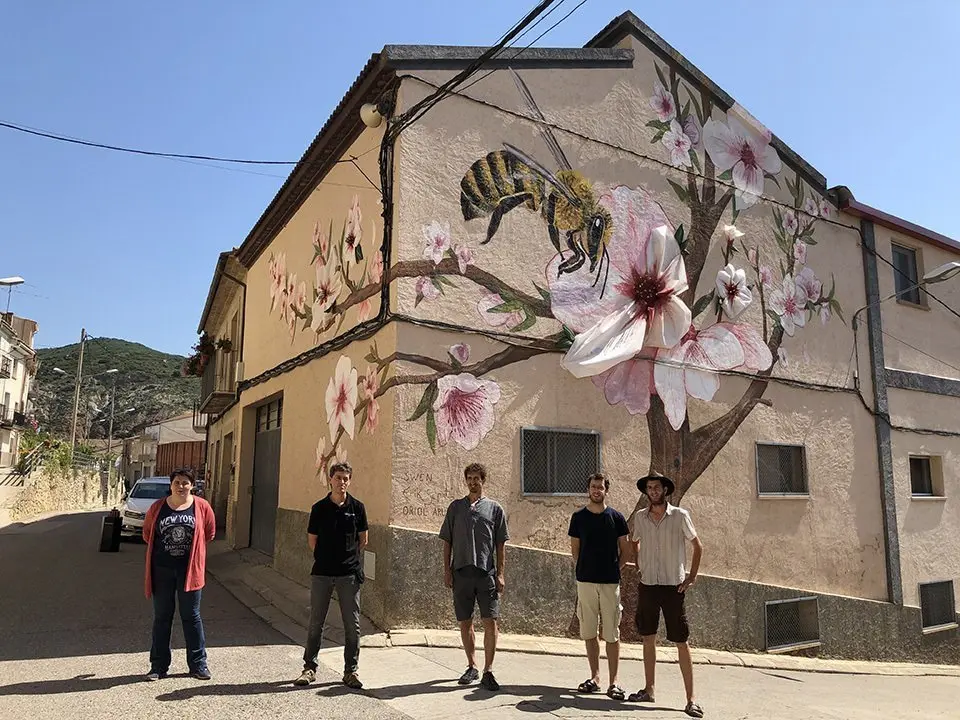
x,y
792,624
937,607
270,416
558,462
781,470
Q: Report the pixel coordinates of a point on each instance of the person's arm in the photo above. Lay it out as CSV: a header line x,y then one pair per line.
x,y
362,542
363,528
149,523
501,557
313,529
447,570
311,542
210,523
575,548
626,550
694,565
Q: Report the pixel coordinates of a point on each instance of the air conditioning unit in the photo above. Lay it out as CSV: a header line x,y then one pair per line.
x,y
239,369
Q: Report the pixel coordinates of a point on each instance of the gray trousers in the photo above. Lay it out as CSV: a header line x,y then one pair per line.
x,y
348,592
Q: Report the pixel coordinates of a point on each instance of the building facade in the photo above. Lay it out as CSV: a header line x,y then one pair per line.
x,y
18,366
161,447
595,259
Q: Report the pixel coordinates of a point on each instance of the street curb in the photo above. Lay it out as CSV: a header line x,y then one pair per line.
x,y
260,599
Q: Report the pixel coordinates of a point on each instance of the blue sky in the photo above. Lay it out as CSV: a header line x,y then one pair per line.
x,y
125,246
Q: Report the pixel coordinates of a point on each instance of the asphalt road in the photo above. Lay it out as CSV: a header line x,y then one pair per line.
x,y
75,638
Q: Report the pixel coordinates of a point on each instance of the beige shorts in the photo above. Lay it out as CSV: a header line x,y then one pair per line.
x,y
598,604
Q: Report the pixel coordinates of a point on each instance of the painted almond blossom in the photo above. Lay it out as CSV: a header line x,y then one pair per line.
x,y
341,398
327,291
630,383
766,275
464,409
662,103
825,314
370,382
808,281
364,310
460,352
693,131
811,207
826,209
464,257
321,451
376,268
353,232
426,290
748,155
753,256
677,142
641,306
789,303
277,269
321,244
790,223
437,241
490,300
732,290
800,252
373,416
732,234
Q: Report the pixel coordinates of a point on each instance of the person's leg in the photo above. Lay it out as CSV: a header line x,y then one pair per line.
x,y
648,620
678,631
464,599
321,590
348,593
469,641
686,668
491,631
193,636
588,615
611,612
164,601
489,601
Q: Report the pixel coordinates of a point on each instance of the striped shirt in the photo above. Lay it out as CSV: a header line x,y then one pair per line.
x,y
663,549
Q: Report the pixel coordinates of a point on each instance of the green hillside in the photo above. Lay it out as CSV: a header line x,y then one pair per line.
x,y
148,381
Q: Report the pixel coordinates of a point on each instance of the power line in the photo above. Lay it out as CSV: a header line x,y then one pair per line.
x,y
922,352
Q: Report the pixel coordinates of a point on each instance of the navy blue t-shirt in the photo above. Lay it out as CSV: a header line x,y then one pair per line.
x,y
599,533
173,537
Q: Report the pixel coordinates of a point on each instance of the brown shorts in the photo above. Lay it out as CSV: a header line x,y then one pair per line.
x,y
651,600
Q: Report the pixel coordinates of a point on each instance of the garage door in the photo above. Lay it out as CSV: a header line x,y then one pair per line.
x,y
266,476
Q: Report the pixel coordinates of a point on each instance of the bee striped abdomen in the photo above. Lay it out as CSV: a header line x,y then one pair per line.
x,y
493,178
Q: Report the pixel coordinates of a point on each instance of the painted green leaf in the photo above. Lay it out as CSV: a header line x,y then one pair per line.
x,y
726,176
430,393
658,137
696,105
545,294
661,76
772,177
678,235
437,284
735,212
529,320
509,306
370,357
695,159
783,271
773,316
444,280
680,190
418,299
432,430
658,125
685,112
835,306
566,338
455,364
703,303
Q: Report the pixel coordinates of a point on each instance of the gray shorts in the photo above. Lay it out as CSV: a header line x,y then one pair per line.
x,y
473,585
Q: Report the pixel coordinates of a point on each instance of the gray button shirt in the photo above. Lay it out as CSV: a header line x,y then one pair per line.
x,y
473,532
663,549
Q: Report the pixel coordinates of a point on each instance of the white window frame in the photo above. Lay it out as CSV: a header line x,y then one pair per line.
x,y
945,626
936,477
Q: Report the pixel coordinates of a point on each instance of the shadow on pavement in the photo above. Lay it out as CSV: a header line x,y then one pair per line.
x,y
80,683
232,690
548,699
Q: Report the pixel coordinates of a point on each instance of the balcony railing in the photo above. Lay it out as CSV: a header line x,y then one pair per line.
x,y
218,385
6,416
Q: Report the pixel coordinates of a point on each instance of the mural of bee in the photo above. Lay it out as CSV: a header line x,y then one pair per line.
x,y
510,178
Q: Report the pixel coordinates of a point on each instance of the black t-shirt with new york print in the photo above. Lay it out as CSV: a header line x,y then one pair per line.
x,y
173,537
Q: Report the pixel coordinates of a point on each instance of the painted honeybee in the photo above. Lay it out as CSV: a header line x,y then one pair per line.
x,y
509,178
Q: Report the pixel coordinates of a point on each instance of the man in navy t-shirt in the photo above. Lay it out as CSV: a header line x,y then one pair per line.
x,y
599,544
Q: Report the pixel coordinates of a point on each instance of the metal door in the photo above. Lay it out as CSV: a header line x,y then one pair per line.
x,y
266,477
224,484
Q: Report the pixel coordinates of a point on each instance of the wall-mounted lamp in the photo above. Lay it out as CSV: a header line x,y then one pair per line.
x,y
371,116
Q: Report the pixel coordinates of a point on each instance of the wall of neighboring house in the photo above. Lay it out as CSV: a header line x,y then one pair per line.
x,y
15,389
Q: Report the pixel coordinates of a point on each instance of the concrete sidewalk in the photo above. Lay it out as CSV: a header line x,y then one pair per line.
x,y
285,605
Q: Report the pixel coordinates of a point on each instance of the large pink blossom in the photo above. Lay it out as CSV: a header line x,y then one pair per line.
x,y
640,306
341,398
663,104
746,153
789,302
629,383
327,290
464,409
691,367
808,281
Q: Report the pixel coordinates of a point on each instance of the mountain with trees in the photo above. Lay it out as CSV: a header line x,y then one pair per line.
x,y
149,387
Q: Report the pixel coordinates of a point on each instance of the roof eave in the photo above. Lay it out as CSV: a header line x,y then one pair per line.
x,y
214,287
892,222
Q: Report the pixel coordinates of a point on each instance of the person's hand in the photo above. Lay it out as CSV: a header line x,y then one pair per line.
x,y
448,577
500,583
690,580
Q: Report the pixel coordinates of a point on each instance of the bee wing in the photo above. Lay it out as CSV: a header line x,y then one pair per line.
x,y
544,173
546,133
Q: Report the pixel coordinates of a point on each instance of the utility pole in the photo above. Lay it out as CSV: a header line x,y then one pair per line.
x,y
113,401
76,393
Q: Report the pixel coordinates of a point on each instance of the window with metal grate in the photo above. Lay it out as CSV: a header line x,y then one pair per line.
x,y
781,470
557,461
937,606
792,624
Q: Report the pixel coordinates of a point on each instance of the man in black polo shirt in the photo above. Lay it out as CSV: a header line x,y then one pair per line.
x,y
599,543
336,534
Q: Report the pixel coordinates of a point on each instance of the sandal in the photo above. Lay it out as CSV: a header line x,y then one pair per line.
x,y
693,710
642,696
588,686
616,692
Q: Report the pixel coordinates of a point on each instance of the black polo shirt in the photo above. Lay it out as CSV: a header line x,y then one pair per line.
x,y
338,529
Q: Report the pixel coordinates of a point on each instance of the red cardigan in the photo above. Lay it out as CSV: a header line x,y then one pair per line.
x,y
206,530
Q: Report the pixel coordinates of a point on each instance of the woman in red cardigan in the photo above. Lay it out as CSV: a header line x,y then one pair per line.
x,y
177,529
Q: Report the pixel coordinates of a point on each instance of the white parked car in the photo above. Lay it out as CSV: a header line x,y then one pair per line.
x,y
136,503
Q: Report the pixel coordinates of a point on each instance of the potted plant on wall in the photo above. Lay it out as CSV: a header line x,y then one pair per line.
x,y
196,363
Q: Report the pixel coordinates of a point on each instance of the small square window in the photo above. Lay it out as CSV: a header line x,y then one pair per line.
x,y
905,274
558,462
781,470
937,606
926,477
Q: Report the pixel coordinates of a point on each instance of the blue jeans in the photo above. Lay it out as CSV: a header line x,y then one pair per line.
x,y
168,584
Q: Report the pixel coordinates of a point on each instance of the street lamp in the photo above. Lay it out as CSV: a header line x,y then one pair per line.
x,y
9,283
937,275
76,402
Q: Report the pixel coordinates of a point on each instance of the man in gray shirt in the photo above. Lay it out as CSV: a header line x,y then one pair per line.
x,y
474,533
